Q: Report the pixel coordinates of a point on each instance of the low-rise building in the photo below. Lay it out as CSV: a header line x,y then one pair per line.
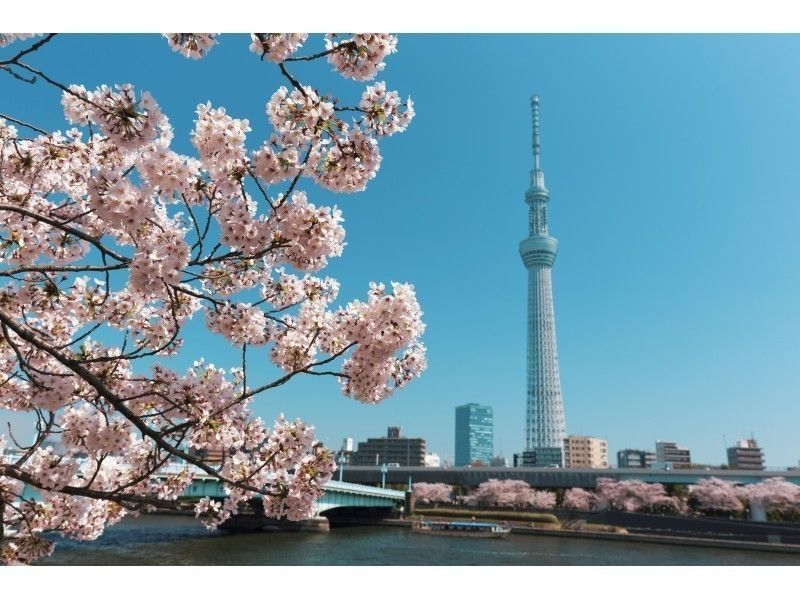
x,y
671,455
586,452
635,458
746,454
541,457
391,449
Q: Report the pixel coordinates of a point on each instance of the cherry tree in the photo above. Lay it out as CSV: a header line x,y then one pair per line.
x,y
633,495
510,493
578,499
713,495
433,493
111,242
773,496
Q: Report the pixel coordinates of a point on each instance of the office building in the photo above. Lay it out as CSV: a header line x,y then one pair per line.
x,y
391,449
474,435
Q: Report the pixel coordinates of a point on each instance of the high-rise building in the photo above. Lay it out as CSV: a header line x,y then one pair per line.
x,y
544,419
634,458
393,448
746,454
474,435
670,454
585,451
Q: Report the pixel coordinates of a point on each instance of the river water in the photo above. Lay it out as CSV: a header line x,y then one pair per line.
x,y
175,540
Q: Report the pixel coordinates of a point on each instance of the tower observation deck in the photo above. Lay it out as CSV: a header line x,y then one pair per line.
x,y
544,419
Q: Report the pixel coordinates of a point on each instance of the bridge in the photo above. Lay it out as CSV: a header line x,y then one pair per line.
x,y
551,477
347,495
338,495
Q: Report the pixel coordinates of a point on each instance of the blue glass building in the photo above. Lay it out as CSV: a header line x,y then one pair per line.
x,y
474,434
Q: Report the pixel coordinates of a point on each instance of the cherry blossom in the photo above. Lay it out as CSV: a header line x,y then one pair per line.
x,y
716,496
361,57
112,244
192,45
633,496
433,493
347,164
510,494
578,499
276,47
382,110
773,495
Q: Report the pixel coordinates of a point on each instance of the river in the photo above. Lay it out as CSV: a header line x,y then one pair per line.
x,y
175,540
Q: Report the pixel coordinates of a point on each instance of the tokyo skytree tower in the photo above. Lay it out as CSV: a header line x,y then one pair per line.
x,y
544,422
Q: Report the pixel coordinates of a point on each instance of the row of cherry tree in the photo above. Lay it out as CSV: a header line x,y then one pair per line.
x,y
111,242
711,496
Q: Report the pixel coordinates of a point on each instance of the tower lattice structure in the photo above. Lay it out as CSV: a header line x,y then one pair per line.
x,y
545,428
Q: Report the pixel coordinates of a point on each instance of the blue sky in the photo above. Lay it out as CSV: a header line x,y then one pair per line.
x,y
672,166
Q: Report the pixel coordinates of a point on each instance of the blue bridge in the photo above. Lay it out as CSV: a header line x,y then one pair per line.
x,y
338,495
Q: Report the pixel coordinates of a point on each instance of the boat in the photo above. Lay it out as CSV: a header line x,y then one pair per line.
x,y
469,529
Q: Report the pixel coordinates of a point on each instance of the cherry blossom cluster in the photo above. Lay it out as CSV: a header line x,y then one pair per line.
x,y
713,495
633,495
241,323
578,499
773,495
299,115
383,111
381,327
361,56
311,235
511,494
111,243
191,45
433,493
128,120
347,163
276,47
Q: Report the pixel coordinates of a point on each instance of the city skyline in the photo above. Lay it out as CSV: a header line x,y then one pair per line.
x,y
665,321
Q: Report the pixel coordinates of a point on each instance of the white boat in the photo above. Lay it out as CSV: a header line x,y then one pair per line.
x,y
467,529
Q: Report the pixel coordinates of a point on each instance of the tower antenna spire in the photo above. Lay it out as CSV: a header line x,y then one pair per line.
x,y
537,148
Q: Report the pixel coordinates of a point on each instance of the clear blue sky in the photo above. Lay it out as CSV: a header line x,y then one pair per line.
x,y
672,163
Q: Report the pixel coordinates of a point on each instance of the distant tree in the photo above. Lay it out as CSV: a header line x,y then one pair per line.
x,y
541,499
775,496
636,496
715,496
578,499
510,493
432,493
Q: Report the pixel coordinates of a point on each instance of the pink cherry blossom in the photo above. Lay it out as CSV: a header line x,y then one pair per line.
x,y
361,57
578,499
384,113
192,45
433,493
113,245
715,495
276,47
